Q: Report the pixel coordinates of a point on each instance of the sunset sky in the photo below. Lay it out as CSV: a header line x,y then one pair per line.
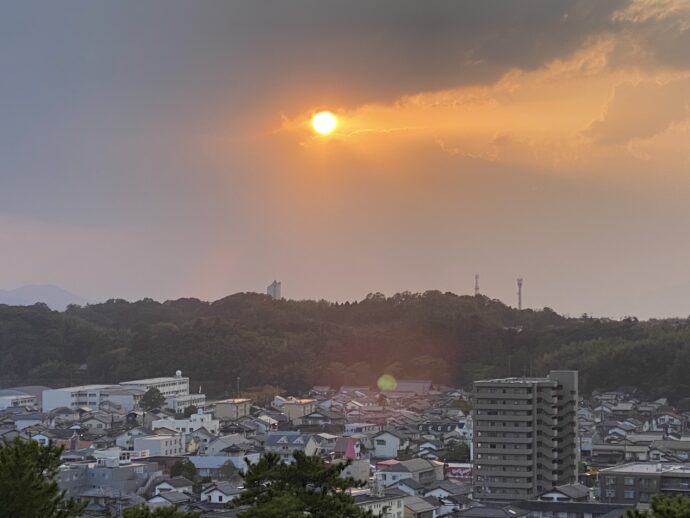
x,y
164,149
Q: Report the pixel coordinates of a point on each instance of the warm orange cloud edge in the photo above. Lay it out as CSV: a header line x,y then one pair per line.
x,y
575,114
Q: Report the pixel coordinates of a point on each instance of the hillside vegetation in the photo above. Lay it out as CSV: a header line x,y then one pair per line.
x,y
295,344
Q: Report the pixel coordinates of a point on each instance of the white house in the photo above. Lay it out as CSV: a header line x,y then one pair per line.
x,y
179,484
387,444
220,493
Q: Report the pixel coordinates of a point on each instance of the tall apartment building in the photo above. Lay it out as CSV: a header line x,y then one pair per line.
x,y
524,435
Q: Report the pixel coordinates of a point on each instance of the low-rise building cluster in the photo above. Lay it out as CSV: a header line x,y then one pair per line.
x,y
513,447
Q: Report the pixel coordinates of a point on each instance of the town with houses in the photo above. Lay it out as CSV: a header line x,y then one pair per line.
x,y
512,447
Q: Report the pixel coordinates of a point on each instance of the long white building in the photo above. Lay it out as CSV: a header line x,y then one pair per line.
x,y
175,390
90,396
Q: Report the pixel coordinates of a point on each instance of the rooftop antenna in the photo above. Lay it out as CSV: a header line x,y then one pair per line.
x,y
519,293
476,284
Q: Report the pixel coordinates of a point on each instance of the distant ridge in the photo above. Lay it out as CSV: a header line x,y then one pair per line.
x,y
54,296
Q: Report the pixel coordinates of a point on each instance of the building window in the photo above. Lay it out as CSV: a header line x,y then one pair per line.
x,y
629,494
629,481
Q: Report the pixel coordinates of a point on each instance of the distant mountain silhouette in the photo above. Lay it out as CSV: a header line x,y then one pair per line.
x,y
55,297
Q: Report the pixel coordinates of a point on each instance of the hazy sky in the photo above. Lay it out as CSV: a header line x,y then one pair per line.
x,y
162,149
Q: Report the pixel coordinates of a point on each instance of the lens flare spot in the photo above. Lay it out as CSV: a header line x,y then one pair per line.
x,y
387,383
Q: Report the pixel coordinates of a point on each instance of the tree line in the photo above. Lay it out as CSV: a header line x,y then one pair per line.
x,y
289,346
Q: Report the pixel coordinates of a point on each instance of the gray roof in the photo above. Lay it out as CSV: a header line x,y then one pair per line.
x,y
409,466
176,482
389,493
175,497
224,487
573,491
297,440
30,417
486,511
450,487
418,505
596,509
671,445
411,483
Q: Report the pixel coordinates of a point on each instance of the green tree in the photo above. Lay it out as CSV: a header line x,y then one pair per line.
x,y
152,399
663,506
161,512
462,404
229,471
457,451
190,410
308,486
27,482
185,468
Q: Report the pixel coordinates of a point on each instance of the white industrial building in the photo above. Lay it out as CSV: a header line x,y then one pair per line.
x,y
175,390
14,398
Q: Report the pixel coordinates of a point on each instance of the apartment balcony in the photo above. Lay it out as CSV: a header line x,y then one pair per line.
x,y
500,395
503,451
502,406
494,471
675,485
505,440
503,428
496,497
504,418
504,462
511,485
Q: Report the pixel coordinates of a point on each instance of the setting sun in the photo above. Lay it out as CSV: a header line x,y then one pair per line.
x,y
324,122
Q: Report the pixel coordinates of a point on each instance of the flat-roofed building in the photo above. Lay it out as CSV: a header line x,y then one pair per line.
x,y
75,397
170,386
175,390
163,445
14,398
234,409
640,481
296,409
524,435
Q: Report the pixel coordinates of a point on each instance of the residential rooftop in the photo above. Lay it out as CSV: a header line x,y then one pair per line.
x,y
648,468
529,381
80,388
148,381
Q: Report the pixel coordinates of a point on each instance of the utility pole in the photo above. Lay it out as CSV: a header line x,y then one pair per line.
x,y
238,387
519,293
476,284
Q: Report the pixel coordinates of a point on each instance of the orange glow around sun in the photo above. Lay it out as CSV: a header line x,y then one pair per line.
x,y
324,122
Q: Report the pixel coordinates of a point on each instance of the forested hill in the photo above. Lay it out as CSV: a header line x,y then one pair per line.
x,y
295,344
